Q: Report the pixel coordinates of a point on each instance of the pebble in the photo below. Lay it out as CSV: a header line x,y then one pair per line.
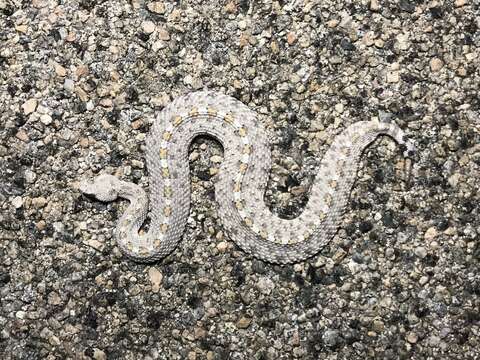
x,y
46,119
216,159
69,85
156,7
374,5
39,202
244,322
421,252
265,285
331,338
29,106
148,27
155,278
436,64
222,246
17,202
412,338
430,234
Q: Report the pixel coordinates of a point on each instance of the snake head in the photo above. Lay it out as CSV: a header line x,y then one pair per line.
x,y
103,187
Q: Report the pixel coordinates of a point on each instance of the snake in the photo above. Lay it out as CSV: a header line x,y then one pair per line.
x,y
240,184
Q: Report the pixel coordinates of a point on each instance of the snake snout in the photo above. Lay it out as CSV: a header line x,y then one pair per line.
x,y
102,188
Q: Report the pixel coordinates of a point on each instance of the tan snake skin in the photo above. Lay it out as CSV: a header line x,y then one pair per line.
x,y
240,185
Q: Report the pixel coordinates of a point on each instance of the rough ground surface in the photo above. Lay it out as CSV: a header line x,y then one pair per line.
x,y
79,83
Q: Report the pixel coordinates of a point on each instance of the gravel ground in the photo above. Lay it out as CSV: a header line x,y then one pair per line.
x,y
80,82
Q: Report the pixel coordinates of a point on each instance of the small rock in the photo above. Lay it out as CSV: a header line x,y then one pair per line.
x,y
60,70
156,7
46,119
199,333
17,202
39,202
436,64
69,85
423,280
460,3
54,298
97,245
155,278
216,159
393,77
374,5
148,27
163,34
22,135
243,322
402,41
291,38
99,354
222,246
265,285
331,338
29,106
421,252
231,7
430,234
20,314
137,164
412,338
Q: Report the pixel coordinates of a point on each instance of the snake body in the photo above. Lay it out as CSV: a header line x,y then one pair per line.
x,y
240,184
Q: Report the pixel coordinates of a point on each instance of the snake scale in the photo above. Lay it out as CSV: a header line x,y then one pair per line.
x,y
240,184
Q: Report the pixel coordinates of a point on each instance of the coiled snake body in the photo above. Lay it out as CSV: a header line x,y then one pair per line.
x,y
240,186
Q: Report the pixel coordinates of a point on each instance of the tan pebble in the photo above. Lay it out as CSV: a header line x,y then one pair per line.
x,y
430,234
99,354
436,64
84,142
332,23
156,7
81,70
148,27
216,159
274,47
60,70
156,278
97,245
374,5
393,77
71,37
243,322
460,3
29,106
231,7
291,38
222,246
164,35
41,225
199,333
22,135
21,28
412,338
82,95
137,124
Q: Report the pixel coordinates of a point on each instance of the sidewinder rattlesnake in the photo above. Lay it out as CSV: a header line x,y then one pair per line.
x,y
240,186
